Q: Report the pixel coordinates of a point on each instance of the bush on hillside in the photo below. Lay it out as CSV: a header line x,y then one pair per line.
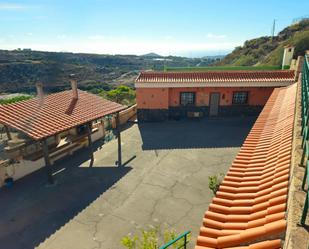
x,y
122,94
14,99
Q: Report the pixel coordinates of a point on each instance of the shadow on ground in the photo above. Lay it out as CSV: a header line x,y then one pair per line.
x,y
203,133
32,211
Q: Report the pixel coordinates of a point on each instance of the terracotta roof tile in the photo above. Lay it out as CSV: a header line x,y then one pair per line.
x,y
55,113
251,202
216,76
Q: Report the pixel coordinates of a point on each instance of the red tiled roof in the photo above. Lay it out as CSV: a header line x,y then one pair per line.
x,y
251,202
55,113
216,76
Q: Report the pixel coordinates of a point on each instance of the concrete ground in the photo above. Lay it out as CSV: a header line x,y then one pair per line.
x,y
163,183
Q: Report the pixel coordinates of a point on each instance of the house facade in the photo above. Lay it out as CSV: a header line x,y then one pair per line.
x,y
172,95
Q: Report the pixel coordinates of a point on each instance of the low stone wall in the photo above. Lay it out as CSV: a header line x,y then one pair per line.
x,y
151,115
182,112
125,115
239,110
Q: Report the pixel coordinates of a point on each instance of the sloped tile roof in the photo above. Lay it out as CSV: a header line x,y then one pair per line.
x,y
251,202
216,76
55,113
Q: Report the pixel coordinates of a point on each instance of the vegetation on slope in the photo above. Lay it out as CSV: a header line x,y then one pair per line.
x,y
14,99
268,50
221,68
21,69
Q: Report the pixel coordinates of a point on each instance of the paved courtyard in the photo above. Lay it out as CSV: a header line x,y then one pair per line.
x,y
164,182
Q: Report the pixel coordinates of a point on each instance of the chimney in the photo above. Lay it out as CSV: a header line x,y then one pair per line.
x,y
74,86
287,56
39,90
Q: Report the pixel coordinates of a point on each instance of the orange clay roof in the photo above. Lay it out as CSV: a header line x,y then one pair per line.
x,y
55,113
251,202
216,76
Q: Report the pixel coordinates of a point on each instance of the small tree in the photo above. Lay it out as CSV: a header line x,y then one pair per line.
x,y
122,94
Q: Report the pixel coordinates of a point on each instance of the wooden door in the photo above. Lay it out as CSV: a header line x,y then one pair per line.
x,y
214,104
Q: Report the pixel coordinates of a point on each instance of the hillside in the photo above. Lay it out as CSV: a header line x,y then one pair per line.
x,y
21,69
269,51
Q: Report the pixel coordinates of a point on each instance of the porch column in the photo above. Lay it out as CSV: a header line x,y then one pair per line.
x,y
89,132
119,162
8,134
47,162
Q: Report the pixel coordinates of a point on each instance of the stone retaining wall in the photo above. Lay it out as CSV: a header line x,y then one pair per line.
x,y
150,115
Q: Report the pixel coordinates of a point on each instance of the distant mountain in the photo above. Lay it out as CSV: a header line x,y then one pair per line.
x,y
152,55
213,57
268,50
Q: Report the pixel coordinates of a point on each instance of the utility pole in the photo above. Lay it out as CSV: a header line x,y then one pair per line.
x,y
273,30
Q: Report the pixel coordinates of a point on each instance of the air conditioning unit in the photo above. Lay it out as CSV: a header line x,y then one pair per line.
x,y
195,114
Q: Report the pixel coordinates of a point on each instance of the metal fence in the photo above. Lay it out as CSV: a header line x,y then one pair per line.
x,y
305,134
179,242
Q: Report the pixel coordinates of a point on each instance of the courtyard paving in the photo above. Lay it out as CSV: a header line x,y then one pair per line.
x,y
164,183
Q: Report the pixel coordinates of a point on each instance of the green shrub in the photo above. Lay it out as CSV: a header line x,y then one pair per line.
x,y
14,99
151,239
214,182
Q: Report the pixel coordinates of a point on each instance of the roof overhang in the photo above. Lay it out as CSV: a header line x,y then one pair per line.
x,y
58,112
212,84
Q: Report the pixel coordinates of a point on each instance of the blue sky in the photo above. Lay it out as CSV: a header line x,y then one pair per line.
x,y
187,28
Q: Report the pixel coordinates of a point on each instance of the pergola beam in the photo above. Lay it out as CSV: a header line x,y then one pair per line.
x,y
8,133
47,161
119,162
89,132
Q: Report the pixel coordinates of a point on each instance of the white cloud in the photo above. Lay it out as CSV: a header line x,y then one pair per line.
x,y
215,36
12,6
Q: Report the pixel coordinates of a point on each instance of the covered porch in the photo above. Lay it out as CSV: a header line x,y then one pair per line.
x,y
48,128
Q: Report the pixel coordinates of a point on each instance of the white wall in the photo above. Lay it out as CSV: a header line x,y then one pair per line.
x,y
287,56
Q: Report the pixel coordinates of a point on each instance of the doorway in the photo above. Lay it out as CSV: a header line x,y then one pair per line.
x,y
214,104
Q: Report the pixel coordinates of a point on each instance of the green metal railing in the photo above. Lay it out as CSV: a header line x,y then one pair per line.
x,y
305,134
183,236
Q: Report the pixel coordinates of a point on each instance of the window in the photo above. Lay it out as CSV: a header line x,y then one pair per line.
x,y
240,98
187,98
